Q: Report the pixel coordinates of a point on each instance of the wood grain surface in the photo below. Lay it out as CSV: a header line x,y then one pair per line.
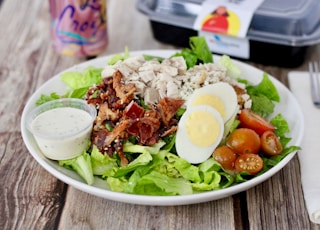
x,y
31,198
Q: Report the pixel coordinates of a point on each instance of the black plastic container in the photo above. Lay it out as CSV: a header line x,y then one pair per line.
x,y
280,33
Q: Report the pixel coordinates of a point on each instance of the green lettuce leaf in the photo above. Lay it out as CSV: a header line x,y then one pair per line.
x,y
102,164
263,96
82,165
156,183
87,78
187,170
119,57
46,98
142,159
267,88
78,82
198,52
200,47
128,147
232,69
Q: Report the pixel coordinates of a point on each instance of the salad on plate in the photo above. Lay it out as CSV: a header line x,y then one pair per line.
x,y
176,125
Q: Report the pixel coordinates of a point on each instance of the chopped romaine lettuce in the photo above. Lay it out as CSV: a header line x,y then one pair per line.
x,y
230,126
79,80
102,164
46,98
267,88
263,96
142,159
281,125
151,57
128,147
156,183
187,170
189,56
198,52
200,47
119,57
149,174
82,165
232,69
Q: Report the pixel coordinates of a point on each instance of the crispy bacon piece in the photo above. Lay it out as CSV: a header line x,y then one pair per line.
x,y
153,139
124,92
105,113
116,132
169,131
123,160
133,111
144,129
152,113
145,123
168,108
118,146
98,137
148,127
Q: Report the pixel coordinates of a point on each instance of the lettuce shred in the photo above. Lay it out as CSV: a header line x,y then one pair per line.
x,y
198,52
263,96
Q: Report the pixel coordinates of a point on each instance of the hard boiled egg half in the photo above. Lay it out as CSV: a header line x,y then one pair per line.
x,y
220,96
201,127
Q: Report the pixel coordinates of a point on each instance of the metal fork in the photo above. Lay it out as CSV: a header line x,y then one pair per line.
x,y
315,82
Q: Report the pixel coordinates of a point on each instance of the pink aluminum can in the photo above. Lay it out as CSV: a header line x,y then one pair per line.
x,y
79,27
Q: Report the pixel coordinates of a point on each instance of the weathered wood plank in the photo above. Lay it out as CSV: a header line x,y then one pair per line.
x,y
98,213
30,198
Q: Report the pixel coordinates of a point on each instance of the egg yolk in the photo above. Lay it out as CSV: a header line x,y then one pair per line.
x,y
213,101
202,128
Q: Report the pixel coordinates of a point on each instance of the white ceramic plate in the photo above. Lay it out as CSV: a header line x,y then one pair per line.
x,y
288,107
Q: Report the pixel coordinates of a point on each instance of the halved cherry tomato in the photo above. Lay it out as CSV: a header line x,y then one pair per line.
x,y
252,120
270,144
243,141
250,163
225,156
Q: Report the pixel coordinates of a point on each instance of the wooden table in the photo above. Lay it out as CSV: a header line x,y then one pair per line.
x,y
31,198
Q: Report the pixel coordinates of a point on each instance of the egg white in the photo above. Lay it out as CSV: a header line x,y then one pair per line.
x,y
222,90
190,151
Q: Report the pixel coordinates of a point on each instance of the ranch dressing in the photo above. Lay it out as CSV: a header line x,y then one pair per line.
x,y
62,133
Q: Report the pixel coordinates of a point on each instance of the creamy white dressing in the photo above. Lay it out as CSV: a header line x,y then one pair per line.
x,y
62,133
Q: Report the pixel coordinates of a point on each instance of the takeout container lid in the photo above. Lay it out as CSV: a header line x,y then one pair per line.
x,y
293,23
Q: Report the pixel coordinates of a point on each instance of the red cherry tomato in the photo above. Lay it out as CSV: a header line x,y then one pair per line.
x,y
243,141
250,163
225,156
270,144
252,120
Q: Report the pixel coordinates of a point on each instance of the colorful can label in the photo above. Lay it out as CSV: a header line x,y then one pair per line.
x,y
79,27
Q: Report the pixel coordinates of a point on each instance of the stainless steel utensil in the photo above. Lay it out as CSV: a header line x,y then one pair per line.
x,y
315,82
